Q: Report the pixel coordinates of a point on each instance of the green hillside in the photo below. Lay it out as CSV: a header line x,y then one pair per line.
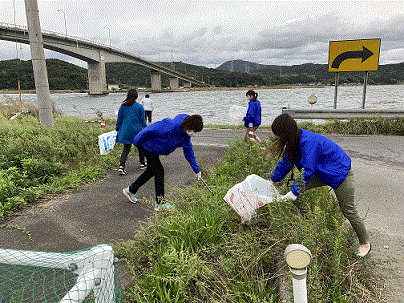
x,y
66,76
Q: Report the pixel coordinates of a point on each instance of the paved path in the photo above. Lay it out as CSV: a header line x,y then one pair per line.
x,y
99,213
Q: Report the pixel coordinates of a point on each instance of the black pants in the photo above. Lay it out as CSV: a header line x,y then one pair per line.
x,y
147,114
154,168
125,153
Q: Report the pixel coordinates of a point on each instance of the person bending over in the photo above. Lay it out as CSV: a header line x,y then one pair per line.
x,y
324,163
162,138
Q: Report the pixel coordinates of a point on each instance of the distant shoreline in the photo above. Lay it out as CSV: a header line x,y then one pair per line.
x,y
284,86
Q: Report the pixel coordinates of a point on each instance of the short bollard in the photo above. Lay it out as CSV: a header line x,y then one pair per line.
x,y
298,257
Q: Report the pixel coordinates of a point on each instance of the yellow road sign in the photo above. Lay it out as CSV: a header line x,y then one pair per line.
x,y
354,55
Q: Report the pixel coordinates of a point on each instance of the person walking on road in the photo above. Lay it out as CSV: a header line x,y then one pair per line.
x,y
148,107
162,138
130,121
252,119
324,163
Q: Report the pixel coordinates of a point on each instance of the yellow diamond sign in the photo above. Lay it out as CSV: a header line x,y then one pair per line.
x,y
354,55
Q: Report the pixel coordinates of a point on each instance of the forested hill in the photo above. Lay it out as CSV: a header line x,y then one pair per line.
x,y
62,75
66,76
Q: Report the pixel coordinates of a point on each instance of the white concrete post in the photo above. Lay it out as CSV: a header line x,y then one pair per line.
x,y
155,81
39,63
97,79
174,83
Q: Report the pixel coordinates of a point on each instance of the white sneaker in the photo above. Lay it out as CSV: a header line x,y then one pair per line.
x,y
121,170
364,249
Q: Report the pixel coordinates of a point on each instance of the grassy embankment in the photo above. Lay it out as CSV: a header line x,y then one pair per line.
x,y
199,252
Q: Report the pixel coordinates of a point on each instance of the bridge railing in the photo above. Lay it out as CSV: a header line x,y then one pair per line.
x,y
10,26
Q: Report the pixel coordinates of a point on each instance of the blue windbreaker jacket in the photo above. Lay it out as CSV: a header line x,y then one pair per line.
x,y
319,156
130,121
253,113
165,136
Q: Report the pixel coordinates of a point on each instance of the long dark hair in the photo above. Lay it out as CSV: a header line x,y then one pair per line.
x,y
288,133
131,97
252,93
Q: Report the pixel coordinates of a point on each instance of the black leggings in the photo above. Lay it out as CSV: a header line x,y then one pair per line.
x,y
154,168
148,114
125,153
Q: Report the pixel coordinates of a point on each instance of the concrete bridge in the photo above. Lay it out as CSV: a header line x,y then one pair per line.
x,y
96,55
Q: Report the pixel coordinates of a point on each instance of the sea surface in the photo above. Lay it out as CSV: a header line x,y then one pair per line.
x,y
214,106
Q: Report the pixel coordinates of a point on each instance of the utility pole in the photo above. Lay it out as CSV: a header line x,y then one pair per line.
x,y
39,63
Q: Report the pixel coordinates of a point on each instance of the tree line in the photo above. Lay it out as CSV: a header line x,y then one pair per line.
x,y
66,76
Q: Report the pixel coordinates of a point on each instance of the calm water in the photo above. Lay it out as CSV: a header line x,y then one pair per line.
x,y
214,105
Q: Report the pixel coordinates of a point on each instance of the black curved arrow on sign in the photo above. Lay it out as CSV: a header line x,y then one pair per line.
x,y
364,54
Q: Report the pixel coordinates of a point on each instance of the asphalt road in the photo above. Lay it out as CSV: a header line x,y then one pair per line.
x,y
99,212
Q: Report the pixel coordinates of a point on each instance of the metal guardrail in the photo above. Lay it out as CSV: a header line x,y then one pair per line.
x,y
342,113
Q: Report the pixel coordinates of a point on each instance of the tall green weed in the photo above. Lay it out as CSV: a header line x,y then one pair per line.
x,y
200,251
36,160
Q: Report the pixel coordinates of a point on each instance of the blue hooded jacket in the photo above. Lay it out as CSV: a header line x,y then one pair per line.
x,y
165,136
130,121
253,113
319,156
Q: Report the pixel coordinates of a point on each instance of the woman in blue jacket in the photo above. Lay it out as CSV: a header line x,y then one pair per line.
x,y
324,163
162,138
131,120
253,117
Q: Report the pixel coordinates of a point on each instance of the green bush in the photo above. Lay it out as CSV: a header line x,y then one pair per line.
x,y
36,160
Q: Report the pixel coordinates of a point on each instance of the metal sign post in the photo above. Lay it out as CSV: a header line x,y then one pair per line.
x,y
336,89
365,82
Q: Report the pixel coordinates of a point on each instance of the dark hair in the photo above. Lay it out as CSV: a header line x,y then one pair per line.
x,y
193,122
147,96
252,93
131,97
288,133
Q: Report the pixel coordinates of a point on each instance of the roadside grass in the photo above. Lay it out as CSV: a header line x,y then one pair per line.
x,y
36,161
378,126
200,252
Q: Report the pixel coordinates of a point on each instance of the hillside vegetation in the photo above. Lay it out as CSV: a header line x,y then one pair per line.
x,y
66,76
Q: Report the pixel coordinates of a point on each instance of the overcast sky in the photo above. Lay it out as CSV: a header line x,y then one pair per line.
x,y
209,33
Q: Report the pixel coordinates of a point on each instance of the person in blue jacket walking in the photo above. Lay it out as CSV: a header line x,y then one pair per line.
x,y
252,119
324,163
131,120
162,138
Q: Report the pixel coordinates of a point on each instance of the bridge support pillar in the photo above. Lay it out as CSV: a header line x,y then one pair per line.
x,y
187,84
97,80
155,81
174,83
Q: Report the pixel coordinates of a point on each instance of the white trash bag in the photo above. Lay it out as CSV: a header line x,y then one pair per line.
x,y
106,142
247,196
237,113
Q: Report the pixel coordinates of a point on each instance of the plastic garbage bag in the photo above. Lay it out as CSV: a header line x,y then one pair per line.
x,y
237,113
106,142
247,196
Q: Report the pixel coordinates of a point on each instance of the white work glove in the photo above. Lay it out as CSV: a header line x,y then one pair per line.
x,y
199,176
289,197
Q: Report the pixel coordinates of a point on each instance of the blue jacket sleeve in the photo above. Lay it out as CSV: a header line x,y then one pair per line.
x,y
119,120
189,155
142,118
309,160
281,170
249,115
